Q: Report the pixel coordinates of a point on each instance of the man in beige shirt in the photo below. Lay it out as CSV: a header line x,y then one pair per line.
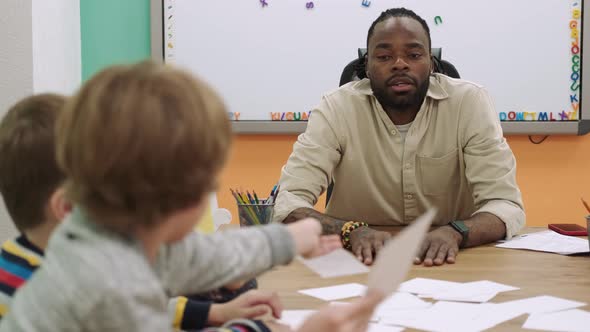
x,y
401,141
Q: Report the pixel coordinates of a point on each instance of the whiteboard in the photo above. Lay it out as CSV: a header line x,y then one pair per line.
x,y
283,57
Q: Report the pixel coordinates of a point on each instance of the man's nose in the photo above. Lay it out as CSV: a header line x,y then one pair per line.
x,y
399,64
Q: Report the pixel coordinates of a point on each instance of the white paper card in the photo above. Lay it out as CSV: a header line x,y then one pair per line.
x,y
337,292
442,316
492,315
477,291
395,259
335,264
403,301
475,298
571,320
376,327
398,302
295,318
427,287
540,304
548,241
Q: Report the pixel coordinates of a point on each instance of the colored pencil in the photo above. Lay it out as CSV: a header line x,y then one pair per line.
x,y
254,210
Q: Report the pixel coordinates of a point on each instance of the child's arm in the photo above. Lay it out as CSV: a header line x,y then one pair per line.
x,y
200,263
187,314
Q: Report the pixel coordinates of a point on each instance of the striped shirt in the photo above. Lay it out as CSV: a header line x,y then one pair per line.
x,y
19,258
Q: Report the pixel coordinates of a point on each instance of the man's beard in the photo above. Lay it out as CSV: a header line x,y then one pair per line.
x,y
390,101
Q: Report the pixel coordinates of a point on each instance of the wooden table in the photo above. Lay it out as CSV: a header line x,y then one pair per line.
x,y
535,273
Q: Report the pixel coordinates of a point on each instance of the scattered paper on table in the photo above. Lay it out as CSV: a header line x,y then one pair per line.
x,y
548,241
540,304
475,298
477,291
399,317
337,292
335,264
397,302
492,316
396,258
570,320
295,318
441,316
427,287
376,327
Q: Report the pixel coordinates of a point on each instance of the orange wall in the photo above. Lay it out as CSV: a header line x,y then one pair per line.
x,y
552,175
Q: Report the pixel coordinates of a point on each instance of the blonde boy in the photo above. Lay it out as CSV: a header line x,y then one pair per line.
x,y
31,187
142,146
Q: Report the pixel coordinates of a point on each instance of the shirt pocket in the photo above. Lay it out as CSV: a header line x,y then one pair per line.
x,y
439,174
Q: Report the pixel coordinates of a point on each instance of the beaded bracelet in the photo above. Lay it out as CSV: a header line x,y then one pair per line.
x,y
347,228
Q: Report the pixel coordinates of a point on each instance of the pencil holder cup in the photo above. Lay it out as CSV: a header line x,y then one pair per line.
x,y
255,214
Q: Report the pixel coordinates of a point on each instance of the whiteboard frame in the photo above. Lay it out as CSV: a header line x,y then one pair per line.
x,y
580,127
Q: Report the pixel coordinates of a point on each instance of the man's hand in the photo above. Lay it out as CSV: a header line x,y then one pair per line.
x,y
440,246
252,304
367,242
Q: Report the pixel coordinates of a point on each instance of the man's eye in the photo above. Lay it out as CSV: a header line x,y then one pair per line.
x,y
384,57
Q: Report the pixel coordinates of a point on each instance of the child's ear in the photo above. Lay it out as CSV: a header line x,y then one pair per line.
x,y
59,205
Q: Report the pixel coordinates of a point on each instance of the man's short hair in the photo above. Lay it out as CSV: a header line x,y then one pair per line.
x,y
399,12
139,142
28,170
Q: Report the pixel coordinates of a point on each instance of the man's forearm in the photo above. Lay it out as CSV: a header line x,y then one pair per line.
x,y
330,225
484,228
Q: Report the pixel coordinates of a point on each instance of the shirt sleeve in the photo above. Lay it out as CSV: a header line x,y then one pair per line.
x,y
240,325
490,166
310,167
193,264
187,314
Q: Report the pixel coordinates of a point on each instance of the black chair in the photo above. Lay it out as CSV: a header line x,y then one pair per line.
x,y
356,70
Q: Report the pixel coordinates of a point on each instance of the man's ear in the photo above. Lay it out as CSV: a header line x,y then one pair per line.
x,y
59,205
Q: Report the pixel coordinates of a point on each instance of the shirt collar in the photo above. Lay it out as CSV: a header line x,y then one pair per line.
x,y
24,241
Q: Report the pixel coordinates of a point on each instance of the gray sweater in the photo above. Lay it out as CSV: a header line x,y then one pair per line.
x,y
95,280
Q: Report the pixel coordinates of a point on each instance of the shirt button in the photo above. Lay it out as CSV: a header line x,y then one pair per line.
x,y
393,132
409,196
408,166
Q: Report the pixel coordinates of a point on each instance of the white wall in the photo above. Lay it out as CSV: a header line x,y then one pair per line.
x,y
56,46
16,70
16,53
39,52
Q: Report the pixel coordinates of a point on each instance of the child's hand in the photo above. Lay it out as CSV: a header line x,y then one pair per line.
x,y
308,239
252,304
353,317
